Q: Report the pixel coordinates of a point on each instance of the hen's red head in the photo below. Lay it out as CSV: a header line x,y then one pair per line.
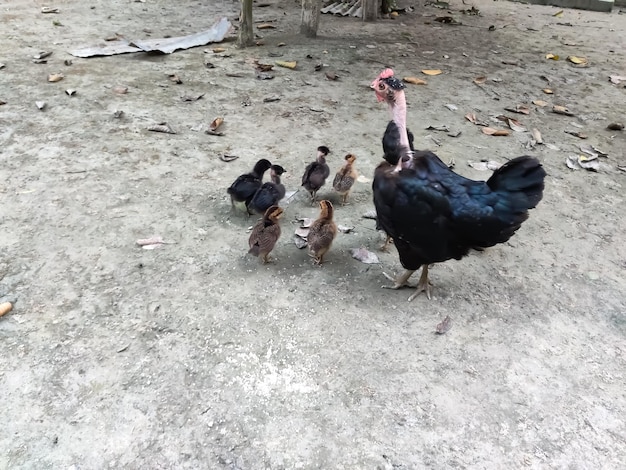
x,y
386,85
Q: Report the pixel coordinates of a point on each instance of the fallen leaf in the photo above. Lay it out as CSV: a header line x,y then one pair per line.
x,y
432,72
264,75
593,151
218,50
495,132
581,61
70,92
306,222
174,78
280,44
271,99
228,158
444,326
120,90
510,62
480,80
520,108
299,242
216,123
537,136
578,134
552,56
49,10
414,80
370,215
191,98
263,67
266,26
344,228
55,77
2,102
451,107
42,55
150,241
331,76
363,255
287,64
363,179
162,127
454,133
260,42
446,20
485,165
514,124
5,307
558,14
548,91
540,103
615,126
40,104
561,110
589,163
616,79
442,128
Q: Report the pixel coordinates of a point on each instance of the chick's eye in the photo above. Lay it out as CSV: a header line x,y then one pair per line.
x,y
381,86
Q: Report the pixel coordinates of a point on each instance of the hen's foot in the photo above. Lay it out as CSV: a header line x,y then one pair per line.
x,y
399,281
423,285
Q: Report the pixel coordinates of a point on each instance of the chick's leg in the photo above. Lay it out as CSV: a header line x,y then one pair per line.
x,y
385,246
423,285
400,281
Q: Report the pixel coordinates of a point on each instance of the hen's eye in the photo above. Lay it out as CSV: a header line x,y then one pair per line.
x,y
381,86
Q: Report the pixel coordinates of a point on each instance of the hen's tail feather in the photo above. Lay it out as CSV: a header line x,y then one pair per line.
x,y
520,183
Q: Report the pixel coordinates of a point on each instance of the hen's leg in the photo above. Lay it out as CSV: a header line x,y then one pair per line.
x,y
385,246
400,281
423,285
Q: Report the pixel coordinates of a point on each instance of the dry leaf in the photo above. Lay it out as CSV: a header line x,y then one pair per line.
x,y
432,72
266,26
561,110
615,126
540,103
520,108
302,232
589,163
495,132
442,128
5,307
191,98
581,61
306,222
593,151
578,134
558,14
414,80
537,136
218,50
299,242
480,80
42,55
344,228
363,179
484,165
287,64
120,90
444,326
548,91
228,158
49,10
514,124
162,127
263,67
216,123
55,77
174,78
616,79
150,241
331,76
364,255
70,92
552,56
370,215
40,104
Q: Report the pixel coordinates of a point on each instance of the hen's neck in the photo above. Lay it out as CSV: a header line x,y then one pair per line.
x,y
397,109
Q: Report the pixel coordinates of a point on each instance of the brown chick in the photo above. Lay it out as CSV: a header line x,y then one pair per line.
x,y
265,234
322,232
345,178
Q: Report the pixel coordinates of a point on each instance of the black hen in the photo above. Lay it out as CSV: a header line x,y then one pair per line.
x,y
244,187
434,214
269,193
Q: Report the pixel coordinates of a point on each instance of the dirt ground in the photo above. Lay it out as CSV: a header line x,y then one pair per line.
x,y
194,355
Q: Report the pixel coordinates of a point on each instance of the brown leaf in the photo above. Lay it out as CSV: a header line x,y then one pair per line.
x,y
616,79
228,158
120,90
520,108
216,123
191,98
552,56
287,64
40,104
331,75
175,78
480,80
537,136
263,67
540,103
578,61
495,132
561,110
414,80
162,127
5,307
266,26
432,72
514,124
615,126
55,77
302,232
306,222
218,50
578,134
363,255
548,91
589,163
150,241
485,165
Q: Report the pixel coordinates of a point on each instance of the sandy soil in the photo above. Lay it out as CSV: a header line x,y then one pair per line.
x,y
194,355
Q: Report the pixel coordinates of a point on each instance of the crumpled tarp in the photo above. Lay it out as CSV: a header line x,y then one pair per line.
x,y
216,33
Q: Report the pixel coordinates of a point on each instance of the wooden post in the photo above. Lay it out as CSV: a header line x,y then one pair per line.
x,y
246,34
310,17
370,9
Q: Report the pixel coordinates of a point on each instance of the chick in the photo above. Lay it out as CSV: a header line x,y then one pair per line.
x,y
270,193
345,178
244,187
322,233
316,172
265,234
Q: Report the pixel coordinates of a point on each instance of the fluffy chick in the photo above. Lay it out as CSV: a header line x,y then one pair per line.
x,y
322,233
345,178
243,188
316,172
265,234
270,193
